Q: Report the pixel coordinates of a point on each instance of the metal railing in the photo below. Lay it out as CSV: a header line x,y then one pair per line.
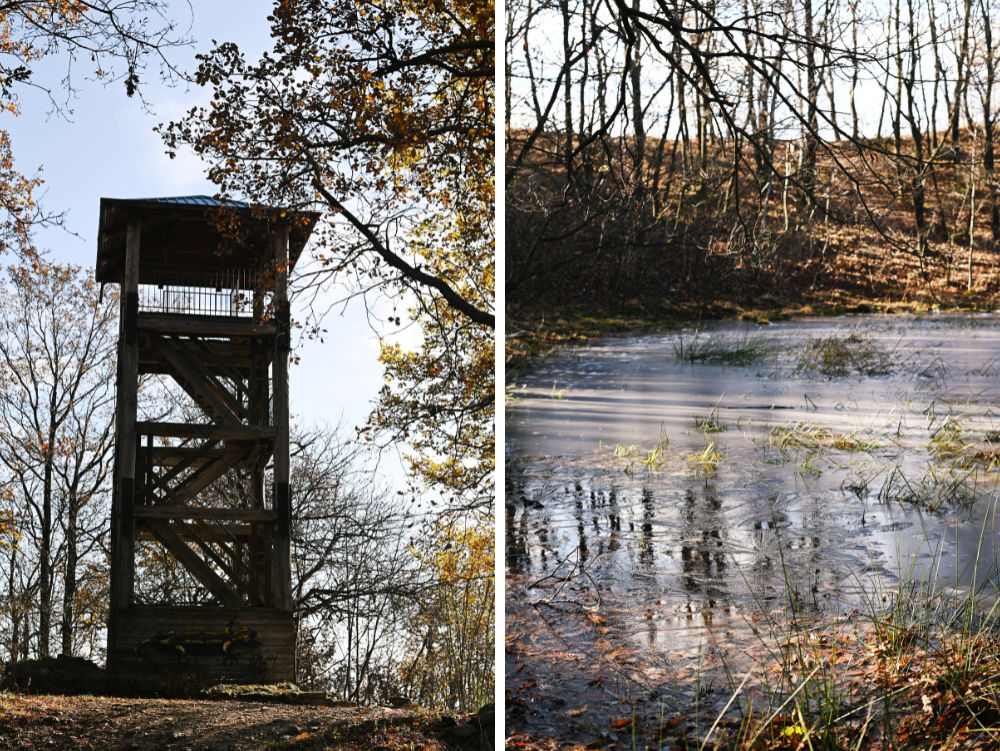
x,y
197,291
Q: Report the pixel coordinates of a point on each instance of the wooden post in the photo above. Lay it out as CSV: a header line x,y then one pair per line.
x,y
282,571
128,381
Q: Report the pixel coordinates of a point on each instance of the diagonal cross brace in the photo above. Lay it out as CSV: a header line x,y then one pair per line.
x,y
198,385
194,563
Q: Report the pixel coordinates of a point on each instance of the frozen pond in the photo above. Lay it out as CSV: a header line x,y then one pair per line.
x,y
653,504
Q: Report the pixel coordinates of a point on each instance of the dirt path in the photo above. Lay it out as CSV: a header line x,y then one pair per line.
x,y
55,723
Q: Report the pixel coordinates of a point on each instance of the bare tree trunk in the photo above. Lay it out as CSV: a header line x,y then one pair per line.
x,y
638,124
812,95
972,210
827,74
916,133
45,548
69,579
989,124
855,65
938,73
897,139
960,76
567,82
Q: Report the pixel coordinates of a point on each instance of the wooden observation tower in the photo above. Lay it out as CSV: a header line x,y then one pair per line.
x,y
209,309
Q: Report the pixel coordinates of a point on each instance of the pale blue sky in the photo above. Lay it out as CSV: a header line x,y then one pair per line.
x,y
106,147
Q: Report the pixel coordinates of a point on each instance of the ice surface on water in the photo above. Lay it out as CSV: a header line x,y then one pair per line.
x,y
675,550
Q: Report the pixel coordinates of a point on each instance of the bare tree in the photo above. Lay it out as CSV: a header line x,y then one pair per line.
x,y
57,360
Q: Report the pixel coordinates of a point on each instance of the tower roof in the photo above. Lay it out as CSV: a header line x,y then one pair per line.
x,y
186,232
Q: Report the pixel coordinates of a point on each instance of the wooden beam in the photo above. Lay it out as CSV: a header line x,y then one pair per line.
x,y
202,461
199,325
253,580
215,534
189,489
169,456
193,563
282,570
238,530
202,512
127,404
222,358
206,430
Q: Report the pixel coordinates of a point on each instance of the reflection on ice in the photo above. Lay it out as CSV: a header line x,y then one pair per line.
x,y
827,482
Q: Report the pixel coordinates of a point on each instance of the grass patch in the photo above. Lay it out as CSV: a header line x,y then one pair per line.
x,y
853,442
948,442
939,487
748,348
710,424
798,435
843,356
708,460
913,668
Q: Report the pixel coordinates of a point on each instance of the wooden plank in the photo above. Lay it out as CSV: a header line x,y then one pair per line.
x,y
205,430
200,512
171,456
202,325
271,657
242,531
193,563
128,381
282,564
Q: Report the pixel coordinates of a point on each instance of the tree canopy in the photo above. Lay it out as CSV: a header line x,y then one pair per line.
x,y
382,113
113,39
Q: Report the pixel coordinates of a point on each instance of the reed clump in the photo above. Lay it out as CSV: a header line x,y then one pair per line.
x,y
838,356
746,348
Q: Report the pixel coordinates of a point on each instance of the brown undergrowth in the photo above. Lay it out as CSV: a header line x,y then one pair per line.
x,y
679,256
